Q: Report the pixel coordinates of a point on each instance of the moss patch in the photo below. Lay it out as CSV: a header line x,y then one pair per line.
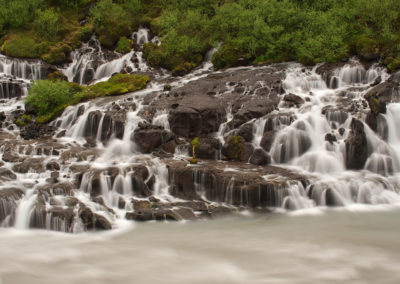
x,y
49,98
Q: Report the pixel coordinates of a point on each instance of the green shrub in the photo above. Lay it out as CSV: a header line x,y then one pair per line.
x,y
24,47
124,45
47,23
50,97
46,96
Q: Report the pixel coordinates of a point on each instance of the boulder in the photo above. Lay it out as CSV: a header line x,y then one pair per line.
x,y
209,148
30,164
356,146
236,148
149,137
293,100
260,157
267,140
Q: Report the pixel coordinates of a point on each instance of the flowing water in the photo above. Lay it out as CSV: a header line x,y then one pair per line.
x,y
352,246
303,241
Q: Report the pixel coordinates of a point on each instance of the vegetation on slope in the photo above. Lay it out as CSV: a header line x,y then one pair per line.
x,y
48,98
243,31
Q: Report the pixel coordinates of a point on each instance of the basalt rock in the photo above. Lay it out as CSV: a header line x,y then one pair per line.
x,y
6,175
30,164
260,158
292,100
209,148
243,186
267,140
236,148
356,146
148,137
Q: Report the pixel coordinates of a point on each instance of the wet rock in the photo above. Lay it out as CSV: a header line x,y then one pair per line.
x,y
216,212
330,138
149,137
101,223
62,188
53,166
7,175
141,205
209,148
293,100
260,158
246,131
245,185
236,148
11,157
35,130
92,124
113,125
198,118
267,140
30,164
356,146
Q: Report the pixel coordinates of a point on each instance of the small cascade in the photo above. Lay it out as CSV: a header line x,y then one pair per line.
x,y
90,63
22,69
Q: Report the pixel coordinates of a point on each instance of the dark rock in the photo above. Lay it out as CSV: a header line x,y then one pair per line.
x,y
330,138
53,166
33,164
236,148
11,157
260,158
246,131
149,138
293,100
267,140
208,149
101,223
356,146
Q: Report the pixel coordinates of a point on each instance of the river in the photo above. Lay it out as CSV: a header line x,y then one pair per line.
x,y
355,245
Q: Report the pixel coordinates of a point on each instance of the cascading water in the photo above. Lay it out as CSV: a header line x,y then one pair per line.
x,y
94,173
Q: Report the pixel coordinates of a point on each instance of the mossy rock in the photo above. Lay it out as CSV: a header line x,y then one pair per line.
x,y
367,48
183,69
227,56
234,147
23,120
56,76
124,45
55,56
393,63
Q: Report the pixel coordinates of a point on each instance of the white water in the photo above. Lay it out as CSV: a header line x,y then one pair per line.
x,y
354,246
299,143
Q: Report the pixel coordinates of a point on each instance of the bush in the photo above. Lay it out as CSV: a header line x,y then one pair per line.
x,y
47,23
50,97
24,46
124,45
45,96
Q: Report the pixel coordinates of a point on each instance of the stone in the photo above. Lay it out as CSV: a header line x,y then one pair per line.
x,y
260,157
356,146
293,100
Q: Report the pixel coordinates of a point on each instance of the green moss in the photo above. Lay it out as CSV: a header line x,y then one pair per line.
x,y
393,64
236,147
57,76
23,120
24,46
117,85
228,55
124,45
183,69
50,97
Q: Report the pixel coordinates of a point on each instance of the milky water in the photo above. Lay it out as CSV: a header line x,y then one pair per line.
x,y
352,246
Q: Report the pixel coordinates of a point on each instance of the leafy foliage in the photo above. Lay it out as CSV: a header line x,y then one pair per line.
x,y
47,23
49,97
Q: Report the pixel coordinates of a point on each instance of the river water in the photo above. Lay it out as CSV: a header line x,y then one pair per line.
x,y
355,245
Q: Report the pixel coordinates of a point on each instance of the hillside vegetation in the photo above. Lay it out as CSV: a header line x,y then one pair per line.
x,y
243,31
